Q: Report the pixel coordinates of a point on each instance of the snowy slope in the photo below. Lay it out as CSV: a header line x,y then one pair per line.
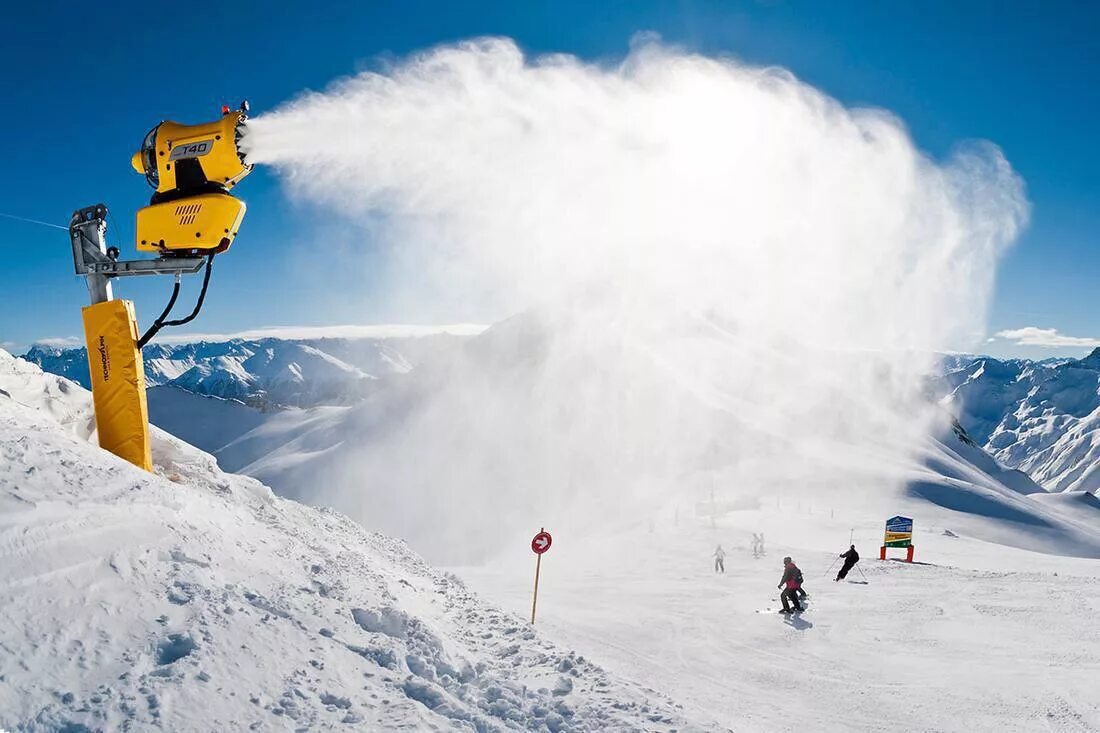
x,y
994,503
197,600
1039,417
972,637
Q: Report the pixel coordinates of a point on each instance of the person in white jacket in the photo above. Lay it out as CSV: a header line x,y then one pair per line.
x,y
719,560
757,544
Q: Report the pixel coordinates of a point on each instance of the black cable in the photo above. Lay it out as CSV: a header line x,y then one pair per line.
x,y
202,295
161,323
160,319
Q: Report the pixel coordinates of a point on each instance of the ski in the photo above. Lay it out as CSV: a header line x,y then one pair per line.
x,y
777,609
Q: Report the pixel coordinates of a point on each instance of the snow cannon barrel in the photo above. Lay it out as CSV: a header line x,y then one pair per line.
x,y
192,169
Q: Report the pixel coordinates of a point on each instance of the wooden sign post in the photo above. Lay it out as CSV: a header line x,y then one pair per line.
x,y
540,544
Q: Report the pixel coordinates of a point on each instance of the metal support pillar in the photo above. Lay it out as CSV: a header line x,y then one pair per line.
x,y
87,230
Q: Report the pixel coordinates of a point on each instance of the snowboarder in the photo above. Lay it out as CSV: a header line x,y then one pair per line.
x,y
851,557
790,585
719,560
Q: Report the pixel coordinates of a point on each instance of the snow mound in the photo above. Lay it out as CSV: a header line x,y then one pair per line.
x,y
197,600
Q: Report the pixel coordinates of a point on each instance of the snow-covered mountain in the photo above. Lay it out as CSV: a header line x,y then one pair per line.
x,y
1039,417
194,600
268,373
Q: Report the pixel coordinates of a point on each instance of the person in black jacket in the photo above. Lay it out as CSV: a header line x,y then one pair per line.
x,y
851,557
790,585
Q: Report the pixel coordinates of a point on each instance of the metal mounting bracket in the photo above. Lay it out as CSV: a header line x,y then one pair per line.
x,y
98,263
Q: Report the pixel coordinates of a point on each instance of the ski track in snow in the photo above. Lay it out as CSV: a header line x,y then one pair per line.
x,y
197,600
966,642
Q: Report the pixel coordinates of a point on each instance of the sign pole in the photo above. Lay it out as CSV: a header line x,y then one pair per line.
x,y
535,599
540,544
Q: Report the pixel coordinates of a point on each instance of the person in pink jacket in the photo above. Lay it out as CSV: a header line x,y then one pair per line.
x,y
790,584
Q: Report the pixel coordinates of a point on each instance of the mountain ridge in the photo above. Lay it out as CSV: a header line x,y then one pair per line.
x,y
1039,417
267,373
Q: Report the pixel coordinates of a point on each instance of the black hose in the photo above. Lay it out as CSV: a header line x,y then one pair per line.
x,y
202,295
160,319
161,323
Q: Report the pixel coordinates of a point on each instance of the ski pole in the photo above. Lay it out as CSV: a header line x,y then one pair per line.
x,y
831,567
861,571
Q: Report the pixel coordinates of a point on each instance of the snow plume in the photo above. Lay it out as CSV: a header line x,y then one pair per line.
x,y
728,276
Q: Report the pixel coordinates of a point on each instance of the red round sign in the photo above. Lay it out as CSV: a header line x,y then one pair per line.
x,y
541,543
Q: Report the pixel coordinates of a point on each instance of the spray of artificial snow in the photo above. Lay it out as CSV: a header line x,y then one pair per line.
x,y
725,278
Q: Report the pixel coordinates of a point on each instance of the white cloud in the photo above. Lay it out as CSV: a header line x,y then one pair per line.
x,y
376,331
318,332
64,342
1049,337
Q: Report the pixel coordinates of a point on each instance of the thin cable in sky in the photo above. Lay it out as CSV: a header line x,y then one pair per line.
x,y
33,221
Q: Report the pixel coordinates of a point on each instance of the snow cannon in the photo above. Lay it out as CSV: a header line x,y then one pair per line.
x,y
192,169
191,217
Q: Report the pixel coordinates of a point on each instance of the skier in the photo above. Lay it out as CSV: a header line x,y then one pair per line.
x,y
801,591
789,583
851,557
719,560
755,545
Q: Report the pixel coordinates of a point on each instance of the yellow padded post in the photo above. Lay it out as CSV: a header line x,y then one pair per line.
x,y
118,381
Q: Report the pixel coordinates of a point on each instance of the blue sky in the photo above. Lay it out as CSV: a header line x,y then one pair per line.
x,y
78,99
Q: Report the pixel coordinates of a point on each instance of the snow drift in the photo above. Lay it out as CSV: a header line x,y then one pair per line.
x,y
197,600
685,230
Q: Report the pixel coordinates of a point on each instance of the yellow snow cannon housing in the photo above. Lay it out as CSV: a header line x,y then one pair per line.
x,y
192,168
